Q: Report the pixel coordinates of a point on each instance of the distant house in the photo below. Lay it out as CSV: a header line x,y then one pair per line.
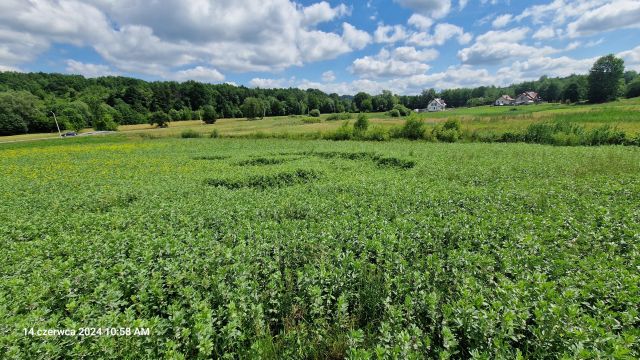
x,y
420,110
505,100
527,98
436,105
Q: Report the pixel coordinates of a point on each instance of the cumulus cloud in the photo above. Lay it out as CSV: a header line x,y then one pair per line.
x,y
200,73
614,15
545,32
631,58
502,21
265,83
158,37
328,76
420,22
399,62
88,70
432,8
323,12
356,39
389,34
495,47
441,34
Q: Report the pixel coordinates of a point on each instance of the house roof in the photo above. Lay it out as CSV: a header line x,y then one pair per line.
x,y
438,101
505,97
530,94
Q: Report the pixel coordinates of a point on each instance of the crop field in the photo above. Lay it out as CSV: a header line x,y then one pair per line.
x,y
273,248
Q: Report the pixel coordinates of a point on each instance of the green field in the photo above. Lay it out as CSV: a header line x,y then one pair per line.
x,y
248,248
622,114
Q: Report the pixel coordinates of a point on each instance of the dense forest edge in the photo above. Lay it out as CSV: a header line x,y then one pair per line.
x,y
28,102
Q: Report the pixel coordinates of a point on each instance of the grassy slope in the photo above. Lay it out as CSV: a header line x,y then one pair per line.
x,y
496,248
624,114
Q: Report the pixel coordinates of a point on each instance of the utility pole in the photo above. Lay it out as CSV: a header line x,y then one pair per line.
x,y
56,120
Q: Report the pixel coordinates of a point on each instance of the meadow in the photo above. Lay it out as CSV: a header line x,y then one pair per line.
x,y
477,122
273,248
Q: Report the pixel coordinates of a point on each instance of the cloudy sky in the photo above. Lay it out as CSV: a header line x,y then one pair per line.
x,y
336,46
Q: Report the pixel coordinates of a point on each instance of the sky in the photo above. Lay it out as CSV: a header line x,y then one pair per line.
x,y
336,46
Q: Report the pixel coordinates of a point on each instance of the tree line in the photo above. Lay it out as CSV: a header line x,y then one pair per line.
x,y
29,100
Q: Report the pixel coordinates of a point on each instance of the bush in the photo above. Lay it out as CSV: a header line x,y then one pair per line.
x,y
361,125
209,115
314,113
403,110
450,131
214,134
190,134
394,113
413,129
340,116
105,123
376,133
160,118
175,115
344,132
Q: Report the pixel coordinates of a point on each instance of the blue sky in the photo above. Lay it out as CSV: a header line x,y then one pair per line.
x,y
336,46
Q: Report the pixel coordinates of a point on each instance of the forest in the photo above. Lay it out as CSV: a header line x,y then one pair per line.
x,y
29,100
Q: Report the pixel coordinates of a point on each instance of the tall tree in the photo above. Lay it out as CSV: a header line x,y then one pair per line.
x,y
604,79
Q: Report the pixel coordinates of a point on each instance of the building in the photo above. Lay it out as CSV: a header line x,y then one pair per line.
x,y
505,100
436,105
527,98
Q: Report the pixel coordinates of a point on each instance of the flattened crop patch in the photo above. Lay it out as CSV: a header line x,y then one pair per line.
x,y
300,176
211,157
261,161
379,160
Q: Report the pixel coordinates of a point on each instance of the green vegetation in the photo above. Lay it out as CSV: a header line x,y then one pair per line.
x,y
604,79
314,113
241,248
108,102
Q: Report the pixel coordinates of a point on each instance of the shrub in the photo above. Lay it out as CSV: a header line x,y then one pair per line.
x,y
361,125
413,128
314,113
189,134
450,131
174,115
403,110
214,134
344,132
209,115
160,118
340,116
394,113
376,133
105,123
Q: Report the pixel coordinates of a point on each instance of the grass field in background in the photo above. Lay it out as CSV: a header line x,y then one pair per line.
x,y
623,114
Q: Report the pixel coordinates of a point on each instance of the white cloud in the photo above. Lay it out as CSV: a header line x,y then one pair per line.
x,y
403,61
157,37
462,4
441,34
502,21
631,58
9,68
269,83
545,32
420,22
432,8
328,76
88,70
495,47
323,12
200,73
614,15
389,34
356,39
